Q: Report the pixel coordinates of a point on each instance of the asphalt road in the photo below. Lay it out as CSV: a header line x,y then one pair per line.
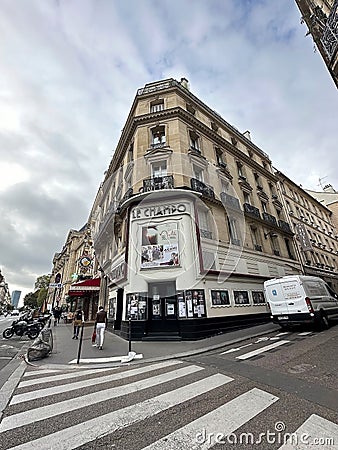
x,y
245,396
9,348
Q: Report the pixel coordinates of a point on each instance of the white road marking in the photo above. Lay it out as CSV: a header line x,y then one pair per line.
x,y
315,428
236,349
261,350
225,419
77,435
305,333
283,334
40,372
32,395
63,376
44,412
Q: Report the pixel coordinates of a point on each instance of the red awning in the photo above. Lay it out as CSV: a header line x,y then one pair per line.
x,y
84,287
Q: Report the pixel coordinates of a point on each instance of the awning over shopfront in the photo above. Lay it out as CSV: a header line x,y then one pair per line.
x,y
85,287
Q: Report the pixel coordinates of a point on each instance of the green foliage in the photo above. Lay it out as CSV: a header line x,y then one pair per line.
x,y
31,299
42,282
42,295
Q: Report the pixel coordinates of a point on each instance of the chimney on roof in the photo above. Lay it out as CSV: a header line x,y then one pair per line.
x,y
185,83
247,134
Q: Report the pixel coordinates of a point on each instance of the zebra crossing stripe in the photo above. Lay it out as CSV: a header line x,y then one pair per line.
x,y
200,434
316,432
261,350
44,412
82,433
305,333
67,376
283,333
45,392
232,350
33,373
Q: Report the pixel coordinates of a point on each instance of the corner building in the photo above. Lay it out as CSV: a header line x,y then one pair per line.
x,y
188,222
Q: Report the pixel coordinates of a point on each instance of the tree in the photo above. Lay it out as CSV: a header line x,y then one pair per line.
x,y
31,300
42,282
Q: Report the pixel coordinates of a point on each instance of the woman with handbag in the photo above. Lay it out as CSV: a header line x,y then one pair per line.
x,y
100,326
78,321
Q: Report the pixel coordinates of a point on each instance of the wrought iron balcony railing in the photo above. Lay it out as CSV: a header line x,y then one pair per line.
x,y
269,218
284,226
158,183
229,201
199,186
206,234
251,210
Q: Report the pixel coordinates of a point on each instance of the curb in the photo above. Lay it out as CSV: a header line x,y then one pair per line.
x,y
159,358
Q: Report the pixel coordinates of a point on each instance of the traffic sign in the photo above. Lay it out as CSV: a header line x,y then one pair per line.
x,y
55,285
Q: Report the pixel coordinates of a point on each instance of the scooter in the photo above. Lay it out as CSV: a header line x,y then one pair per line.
x,y
21,328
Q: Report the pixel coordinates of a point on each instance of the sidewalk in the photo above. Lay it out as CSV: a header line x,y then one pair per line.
x,y
66,349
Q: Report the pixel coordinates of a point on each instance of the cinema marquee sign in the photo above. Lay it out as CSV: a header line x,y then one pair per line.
x,y
158,211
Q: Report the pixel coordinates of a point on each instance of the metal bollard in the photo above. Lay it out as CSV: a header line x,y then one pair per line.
x,y
129,334
80,345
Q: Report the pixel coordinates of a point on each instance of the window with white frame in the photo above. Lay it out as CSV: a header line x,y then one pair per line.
x,y
264,206
233,231
159,169
194,141
240,170
157,105
246,197
158,136
220,157
198,173
205,223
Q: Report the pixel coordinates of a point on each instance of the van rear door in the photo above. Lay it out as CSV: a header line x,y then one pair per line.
x,y
275,297
294,295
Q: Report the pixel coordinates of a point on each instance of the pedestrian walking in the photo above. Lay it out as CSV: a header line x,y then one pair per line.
x,y
100,326
78,320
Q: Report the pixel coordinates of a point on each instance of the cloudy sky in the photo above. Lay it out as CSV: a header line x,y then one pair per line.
x,y
69,73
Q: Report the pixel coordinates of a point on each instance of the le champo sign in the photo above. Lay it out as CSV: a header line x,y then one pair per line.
x,y
158,211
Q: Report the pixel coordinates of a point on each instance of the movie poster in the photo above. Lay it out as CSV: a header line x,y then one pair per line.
x,y
159,246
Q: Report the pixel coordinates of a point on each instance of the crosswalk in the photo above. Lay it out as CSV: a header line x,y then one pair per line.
x,y
264,344
168,405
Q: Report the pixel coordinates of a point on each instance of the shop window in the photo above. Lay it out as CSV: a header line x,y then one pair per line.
x,y
220,298
195,303
241,298
258,298
137,306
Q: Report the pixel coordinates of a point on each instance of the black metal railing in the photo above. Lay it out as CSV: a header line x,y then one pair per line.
x,y
269,218
251,210
158,183
284,226
205,234
199,186
229,201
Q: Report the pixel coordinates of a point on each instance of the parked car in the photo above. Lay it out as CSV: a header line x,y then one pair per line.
x,y
15,312
301,299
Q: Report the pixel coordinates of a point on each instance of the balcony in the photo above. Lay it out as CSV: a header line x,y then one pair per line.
x,y
251,210
127,195
199,186
158,145
269,218
229,201
205,234
158,183
284,226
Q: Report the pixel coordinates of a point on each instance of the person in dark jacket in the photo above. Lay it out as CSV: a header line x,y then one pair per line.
x,y
100,326
78,320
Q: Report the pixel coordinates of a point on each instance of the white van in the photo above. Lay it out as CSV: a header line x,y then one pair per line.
x,y
301,299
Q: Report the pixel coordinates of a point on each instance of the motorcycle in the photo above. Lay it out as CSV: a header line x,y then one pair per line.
x,y
21,328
